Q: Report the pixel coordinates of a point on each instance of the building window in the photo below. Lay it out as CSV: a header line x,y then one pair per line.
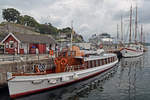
x,y
15,44
7,45
11,44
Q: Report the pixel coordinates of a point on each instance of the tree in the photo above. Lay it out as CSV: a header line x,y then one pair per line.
x,y
47,29
66,30
10,14
30,21
20,20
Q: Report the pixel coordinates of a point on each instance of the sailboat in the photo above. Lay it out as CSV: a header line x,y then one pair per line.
x,y
132,49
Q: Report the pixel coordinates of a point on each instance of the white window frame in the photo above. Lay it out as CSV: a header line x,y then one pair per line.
x,y
7,45
10,44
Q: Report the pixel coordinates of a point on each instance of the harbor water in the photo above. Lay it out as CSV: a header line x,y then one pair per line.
x,y
128,80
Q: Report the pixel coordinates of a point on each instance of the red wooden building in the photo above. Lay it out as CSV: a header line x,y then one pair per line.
x,y
27,43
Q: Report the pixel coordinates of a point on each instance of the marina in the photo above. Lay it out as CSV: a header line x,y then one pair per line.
x,y
69,50
129,80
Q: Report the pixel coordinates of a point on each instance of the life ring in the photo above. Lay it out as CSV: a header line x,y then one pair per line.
x,y
63,61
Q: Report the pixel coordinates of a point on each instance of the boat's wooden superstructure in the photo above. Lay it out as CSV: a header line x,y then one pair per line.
x,y
70,66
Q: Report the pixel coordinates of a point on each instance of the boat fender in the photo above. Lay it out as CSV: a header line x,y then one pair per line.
x,y
52,81
75,76
37,81
63,61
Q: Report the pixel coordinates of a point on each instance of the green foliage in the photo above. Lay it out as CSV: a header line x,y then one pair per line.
x,y
10,14
66,30
29,21
20,20
47,29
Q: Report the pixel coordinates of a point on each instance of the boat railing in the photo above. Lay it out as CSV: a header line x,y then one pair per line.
x,y
74,68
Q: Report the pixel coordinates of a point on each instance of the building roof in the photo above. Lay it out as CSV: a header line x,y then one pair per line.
x,y
33,38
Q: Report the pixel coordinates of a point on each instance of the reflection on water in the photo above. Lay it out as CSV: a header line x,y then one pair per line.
x,y
129,68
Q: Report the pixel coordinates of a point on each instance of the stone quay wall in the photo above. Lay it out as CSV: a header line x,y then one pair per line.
x,y
22,66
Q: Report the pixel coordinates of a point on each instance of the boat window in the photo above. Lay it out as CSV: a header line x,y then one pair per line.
x,y
102,61
93,63
63,54
89,64
73,53
86,64
111,59
106,61
69,53
97,62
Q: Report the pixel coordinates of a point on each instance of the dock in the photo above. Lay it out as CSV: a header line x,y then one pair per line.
x,y
22,64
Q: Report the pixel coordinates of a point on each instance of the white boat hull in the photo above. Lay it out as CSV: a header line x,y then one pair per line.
x,y
23,85
131,53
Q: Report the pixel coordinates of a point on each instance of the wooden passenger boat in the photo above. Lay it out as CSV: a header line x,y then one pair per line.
x,y
70,66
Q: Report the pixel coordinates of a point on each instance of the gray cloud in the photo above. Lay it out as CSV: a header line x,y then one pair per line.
x,y
89,16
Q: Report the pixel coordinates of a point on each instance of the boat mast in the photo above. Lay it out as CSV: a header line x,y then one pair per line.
x,y
117,33
121,29
141,33
71,35
130,24
136,25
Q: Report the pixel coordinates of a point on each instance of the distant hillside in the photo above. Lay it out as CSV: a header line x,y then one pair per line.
x,y
47,29
26,24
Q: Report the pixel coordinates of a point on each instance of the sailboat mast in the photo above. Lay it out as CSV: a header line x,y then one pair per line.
x,y
121,29
130,24
117,33
141,33
136,24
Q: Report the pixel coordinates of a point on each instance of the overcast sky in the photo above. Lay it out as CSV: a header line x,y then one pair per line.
x,y
89,16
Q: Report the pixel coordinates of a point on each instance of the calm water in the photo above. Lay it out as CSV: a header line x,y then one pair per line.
x,y
129,80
